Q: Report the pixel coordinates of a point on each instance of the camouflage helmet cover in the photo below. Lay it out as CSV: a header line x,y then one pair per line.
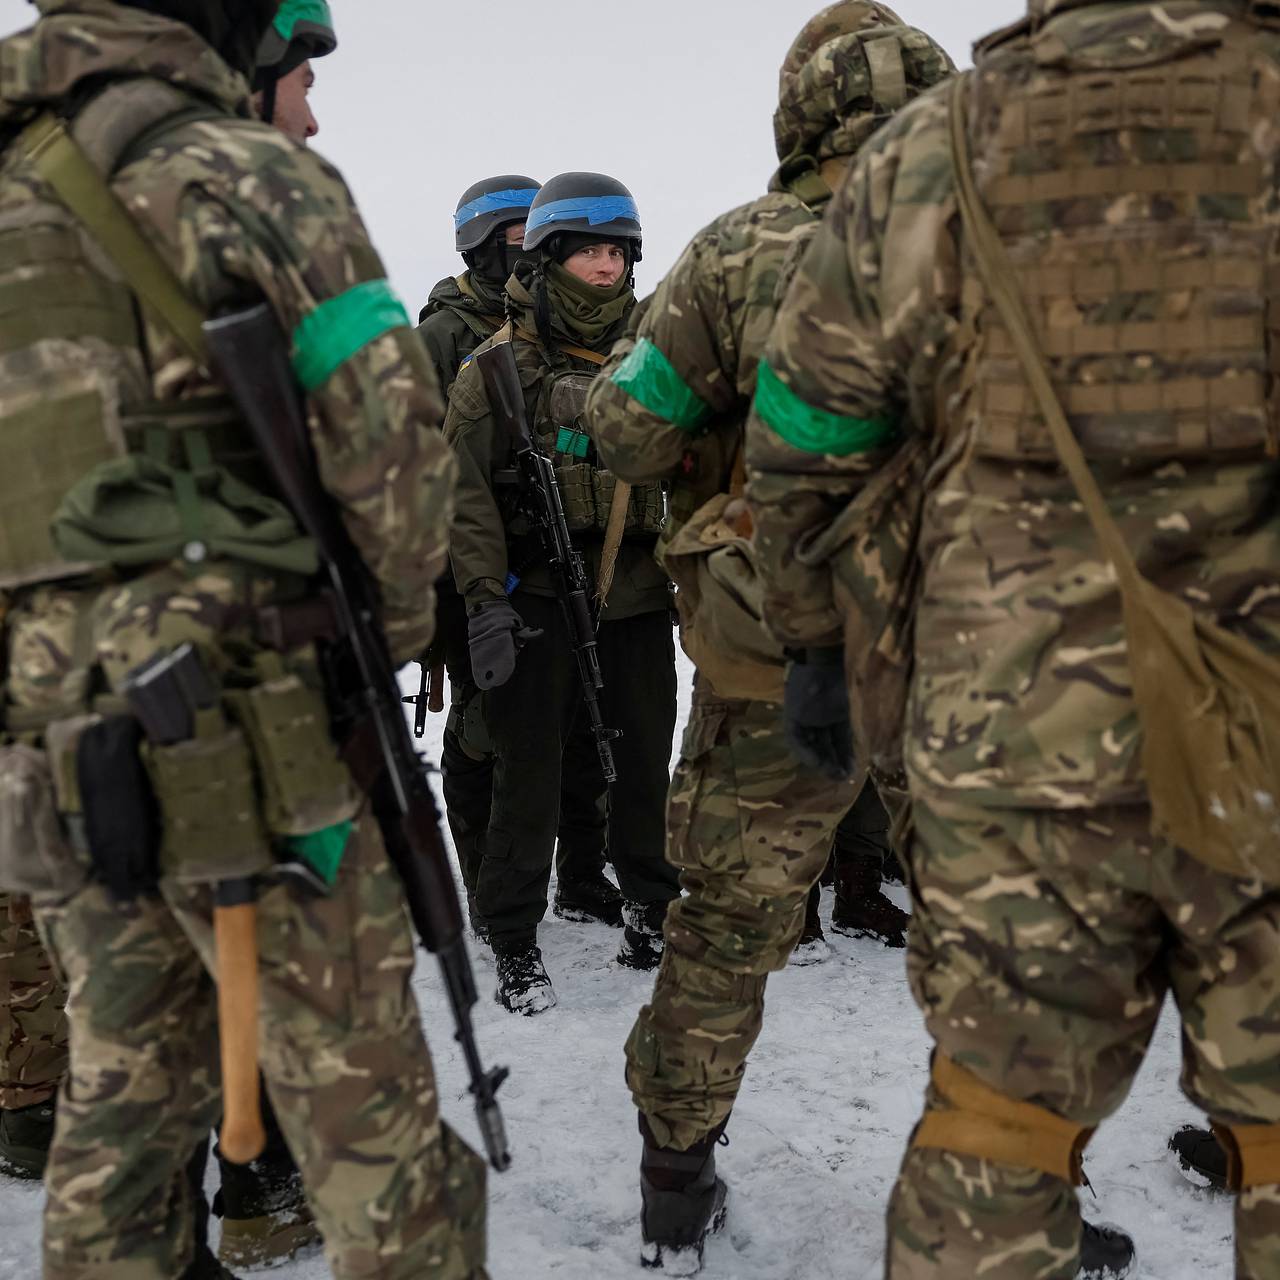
x,y
851,67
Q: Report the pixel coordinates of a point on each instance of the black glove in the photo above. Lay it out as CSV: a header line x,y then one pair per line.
x,y
815,712
496,634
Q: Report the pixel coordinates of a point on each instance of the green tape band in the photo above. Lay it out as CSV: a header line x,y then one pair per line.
x,y
322,850
648,376
573,443
815,430
292,12
341,326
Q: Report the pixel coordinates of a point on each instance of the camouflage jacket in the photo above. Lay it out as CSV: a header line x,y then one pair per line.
x,y
455,321
675,402
1153,299
490,541
243,214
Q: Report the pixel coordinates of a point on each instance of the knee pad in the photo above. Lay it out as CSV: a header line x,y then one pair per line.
x,y
1253,1153
990,1125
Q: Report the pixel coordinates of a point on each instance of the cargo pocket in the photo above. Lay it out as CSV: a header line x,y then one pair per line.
x,y
36,858
686,814
492,877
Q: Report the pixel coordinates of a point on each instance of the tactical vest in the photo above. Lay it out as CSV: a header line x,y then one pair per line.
x,y
76,383
1133,209
585,488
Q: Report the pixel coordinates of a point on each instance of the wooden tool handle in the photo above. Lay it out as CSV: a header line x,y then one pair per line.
x,y
435,703
235,931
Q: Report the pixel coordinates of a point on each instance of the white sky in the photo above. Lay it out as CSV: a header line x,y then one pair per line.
x,y
673,97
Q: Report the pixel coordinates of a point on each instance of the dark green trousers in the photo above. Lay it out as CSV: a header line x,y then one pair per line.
x,y
540,741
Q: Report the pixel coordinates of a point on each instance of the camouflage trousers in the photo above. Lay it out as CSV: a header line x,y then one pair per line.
x,y
33,1022
394,1192
1042,946
750,832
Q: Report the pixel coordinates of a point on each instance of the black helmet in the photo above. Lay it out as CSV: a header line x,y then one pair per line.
x,y
490,204
302,30
591,204
233,28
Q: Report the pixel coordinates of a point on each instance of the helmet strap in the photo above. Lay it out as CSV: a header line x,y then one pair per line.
x,y
269,96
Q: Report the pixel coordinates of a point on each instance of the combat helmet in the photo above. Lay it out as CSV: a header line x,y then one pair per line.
x,y
490,204
300,31
848,71
584,204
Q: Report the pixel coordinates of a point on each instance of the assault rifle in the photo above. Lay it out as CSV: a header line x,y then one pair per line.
x,y
542,507
249,352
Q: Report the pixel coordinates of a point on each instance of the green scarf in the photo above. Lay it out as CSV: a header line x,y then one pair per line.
x,y
590,315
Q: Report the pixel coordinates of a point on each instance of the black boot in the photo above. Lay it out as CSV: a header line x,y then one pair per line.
x,y
204,1266
26,1133
682,1202
642,940
1106,1253
812,947
586,895
523,985
1201,1157
861,910
265,1216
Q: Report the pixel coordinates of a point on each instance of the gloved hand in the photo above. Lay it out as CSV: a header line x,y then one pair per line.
x,y
496,634
815,711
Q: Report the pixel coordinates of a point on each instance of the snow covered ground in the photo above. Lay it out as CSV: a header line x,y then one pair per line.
x,y
832,1090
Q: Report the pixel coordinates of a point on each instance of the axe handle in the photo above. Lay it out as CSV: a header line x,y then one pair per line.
x,y
235,931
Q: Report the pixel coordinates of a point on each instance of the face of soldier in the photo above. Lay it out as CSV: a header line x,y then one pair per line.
x,y
515,234
599,264
293,116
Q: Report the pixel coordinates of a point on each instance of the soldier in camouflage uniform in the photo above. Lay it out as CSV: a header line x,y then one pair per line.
x,y
395,1193
461,314
1128,156
749,829
563,325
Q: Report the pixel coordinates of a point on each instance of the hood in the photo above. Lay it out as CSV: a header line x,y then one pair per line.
x,y
458,293
851,67
77,42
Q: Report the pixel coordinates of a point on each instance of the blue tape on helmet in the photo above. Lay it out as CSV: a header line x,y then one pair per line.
x,y
492,203
595,210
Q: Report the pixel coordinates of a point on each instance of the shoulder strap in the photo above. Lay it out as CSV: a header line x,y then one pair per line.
x,y
997,274
583,353
61,162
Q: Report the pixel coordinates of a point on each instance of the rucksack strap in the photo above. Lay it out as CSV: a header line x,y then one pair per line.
x,y
62,163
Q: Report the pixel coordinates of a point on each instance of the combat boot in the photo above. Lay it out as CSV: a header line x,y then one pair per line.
x,y
813,947
523,985
1201,1157
206,1267
682,1202
1106,1253
588,899
642,941
861,910
26,1133
264,1212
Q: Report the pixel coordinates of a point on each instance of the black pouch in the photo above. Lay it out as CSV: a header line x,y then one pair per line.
x,y
121,819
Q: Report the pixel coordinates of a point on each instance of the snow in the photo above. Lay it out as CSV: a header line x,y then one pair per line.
x,y
832,1090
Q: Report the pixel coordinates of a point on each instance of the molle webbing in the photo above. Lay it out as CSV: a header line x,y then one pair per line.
x,y
992,1126
1146,295
60,161
1253,1154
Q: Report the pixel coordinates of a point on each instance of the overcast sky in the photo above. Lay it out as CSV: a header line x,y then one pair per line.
x,y
674,97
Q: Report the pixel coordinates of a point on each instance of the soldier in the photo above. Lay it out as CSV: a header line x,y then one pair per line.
x,y
461,314
569,306
909,460
33,1042
749,830
193,547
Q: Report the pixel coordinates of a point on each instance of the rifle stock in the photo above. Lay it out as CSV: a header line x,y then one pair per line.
x,y
540,499
249,351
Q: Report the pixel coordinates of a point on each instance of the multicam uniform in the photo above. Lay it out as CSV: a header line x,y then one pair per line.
x,y
1128,155
394,1192
33,1022
749,829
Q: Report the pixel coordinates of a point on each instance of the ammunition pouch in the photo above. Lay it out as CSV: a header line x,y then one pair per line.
x,y
304,786
1253,1154
988,1125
